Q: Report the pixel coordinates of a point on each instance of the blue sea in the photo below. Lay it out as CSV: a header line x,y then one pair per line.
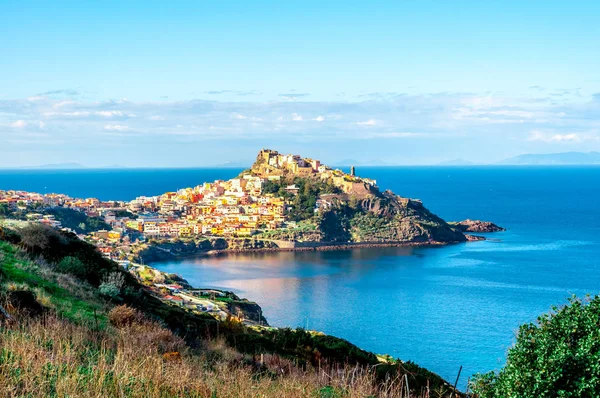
x,y
443,307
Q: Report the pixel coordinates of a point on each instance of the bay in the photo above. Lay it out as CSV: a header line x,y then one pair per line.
x,y
441,307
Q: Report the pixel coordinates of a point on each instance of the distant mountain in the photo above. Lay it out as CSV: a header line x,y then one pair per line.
x,y
376,162
56,166
564,158
456,162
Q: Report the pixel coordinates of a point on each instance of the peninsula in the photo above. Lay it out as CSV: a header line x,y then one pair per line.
x,y
282,202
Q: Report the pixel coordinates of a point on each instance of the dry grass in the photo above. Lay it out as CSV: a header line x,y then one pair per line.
x,y
53,357
80,349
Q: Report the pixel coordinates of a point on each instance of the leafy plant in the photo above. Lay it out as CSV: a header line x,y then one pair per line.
x,y
559,356
74,266
112,286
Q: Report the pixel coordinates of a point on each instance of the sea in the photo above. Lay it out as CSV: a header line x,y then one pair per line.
x,y
441,307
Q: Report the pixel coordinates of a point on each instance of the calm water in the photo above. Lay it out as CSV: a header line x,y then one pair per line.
x,y
441,307
110,184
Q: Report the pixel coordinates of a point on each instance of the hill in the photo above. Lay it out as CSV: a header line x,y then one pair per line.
x,y
564,158
76,324
56,166
336,207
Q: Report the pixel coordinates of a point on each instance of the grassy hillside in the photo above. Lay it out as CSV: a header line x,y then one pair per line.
x,y
81,326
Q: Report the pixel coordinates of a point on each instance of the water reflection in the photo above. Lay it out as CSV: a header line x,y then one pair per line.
x,y
443,307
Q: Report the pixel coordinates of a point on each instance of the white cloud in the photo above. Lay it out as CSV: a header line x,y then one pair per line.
x,y
109,113
67,114
396,134
293,96
370,122
82,114
19,124
35,98
537,135
116,127
62,103
486,119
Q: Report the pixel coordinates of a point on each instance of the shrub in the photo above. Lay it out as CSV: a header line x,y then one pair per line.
x,y
122,316
110,291
73,266
37,238
557,357
112,285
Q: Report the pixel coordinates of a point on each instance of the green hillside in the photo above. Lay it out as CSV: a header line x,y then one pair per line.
x,y
96,331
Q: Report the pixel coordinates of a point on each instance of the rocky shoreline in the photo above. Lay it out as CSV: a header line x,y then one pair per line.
x,y
175,289
329,247
176,249
160,252
477,226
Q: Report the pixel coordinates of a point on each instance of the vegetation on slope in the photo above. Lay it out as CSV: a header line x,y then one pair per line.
x,y
352,210
384,219
53,357
559,356
65,284
302,205
77,221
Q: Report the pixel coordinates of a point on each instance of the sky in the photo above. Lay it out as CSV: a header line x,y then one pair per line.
x,y
201,83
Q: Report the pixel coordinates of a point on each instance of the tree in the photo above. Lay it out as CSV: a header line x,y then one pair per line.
x,y
271,187
4,211
559,356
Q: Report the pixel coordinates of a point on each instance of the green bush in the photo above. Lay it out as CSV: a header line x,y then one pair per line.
x,y
54,246
557,357
74,266
112,285
110,291
76,220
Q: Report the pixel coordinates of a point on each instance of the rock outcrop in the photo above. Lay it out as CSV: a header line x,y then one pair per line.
x,y
247,310
168,250
477,226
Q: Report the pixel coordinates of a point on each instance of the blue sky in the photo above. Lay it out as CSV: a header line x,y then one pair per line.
x,y
200,83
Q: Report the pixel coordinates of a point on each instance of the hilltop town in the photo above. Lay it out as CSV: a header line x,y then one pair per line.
x,y
281,201
236,207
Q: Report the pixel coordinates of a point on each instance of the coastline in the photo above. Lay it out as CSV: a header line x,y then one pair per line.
x,y
327,246
157,252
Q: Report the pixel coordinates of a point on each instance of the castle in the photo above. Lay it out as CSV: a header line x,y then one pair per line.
x,y
271,163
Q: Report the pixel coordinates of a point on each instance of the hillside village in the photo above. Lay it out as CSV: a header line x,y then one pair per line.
x,y
238,207
280,199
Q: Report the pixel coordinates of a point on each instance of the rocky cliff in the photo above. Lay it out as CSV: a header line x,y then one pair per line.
x,y
348,208
477,226
167,250
385,218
